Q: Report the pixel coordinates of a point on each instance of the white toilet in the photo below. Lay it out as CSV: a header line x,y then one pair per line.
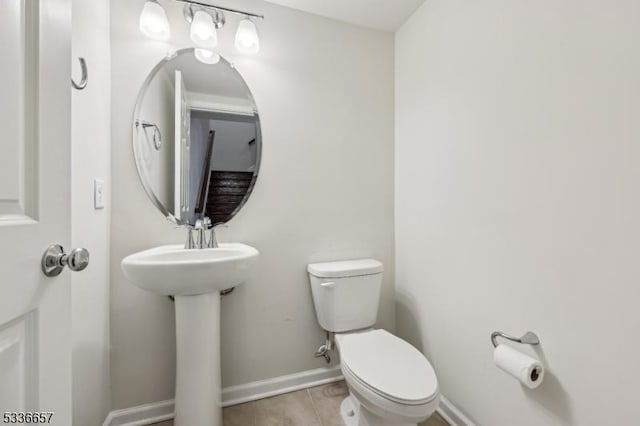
x,y
390,382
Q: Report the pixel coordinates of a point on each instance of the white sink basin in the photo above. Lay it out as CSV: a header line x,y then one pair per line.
x,y
195,277
173,270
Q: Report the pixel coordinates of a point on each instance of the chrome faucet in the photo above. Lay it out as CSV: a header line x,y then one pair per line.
x,y
201,226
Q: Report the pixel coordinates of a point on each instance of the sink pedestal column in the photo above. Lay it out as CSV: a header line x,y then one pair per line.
x,y
198,375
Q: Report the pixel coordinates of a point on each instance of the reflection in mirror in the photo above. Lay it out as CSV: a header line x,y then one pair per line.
x,y
196,139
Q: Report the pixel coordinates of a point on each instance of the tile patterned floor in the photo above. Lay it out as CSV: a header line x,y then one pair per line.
x,y
319,406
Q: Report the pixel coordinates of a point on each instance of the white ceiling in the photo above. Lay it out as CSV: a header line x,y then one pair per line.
x,y
386,15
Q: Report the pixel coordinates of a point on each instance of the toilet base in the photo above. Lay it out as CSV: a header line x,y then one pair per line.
x,y
354,414
348,412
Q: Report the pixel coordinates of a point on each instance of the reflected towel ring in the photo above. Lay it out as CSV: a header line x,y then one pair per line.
x,y
85,76
157,135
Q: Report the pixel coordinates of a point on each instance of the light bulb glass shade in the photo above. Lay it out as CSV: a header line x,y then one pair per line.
x,y
247,40
206,56
203,31
154,22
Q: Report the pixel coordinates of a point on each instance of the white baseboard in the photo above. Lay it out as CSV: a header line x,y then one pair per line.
x,y
233,395
452,414
141,415
253,391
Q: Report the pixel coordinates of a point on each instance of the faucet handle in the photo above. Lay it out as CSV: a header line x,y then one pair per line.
x,y
213,241
190,243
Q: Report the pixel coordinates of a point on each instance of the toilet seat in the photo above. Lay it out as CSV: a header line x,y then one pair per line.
x,y
388,366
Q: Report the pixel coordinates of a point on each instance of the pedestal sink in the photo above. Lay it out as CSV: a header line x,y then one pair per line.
x,y
195,278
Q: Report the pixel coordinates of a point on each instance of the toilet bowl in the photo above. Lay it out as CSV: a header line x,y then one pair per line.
x,y
390,382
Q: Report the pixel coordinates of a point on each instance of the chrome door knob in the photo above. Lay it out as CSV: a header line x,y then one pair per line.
x,y
55,259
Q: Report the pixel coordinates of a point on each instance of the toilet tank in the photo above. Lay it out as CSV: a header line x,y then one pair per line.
x,y
346,293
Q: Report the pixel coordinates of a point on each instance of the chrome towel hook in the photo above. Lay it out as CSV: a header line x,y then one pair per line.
x,y
157,135
529,338
85,75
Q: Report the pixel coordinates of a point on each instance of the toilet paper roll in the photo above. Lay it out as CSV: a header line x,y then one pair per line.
x,y
529,371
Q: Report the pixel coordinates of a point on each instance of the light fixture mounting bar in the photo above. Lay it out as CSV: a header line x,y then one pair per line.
x,y
226,9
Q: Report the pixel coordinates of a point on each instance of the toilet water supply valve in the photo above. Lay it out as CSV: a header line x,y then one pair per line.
x,y
323,350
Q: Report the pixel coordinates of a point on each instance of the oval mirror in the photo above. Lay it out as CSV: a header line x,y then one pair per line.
x,y
196,138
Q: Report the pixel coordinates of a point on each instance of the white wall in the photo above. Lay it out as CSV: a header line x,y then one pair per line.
x,y
91,139
231,150
517,202
324,91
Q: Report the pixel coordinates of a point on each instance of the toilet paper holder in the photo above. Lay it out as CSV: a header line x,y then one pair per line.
x,y
529,338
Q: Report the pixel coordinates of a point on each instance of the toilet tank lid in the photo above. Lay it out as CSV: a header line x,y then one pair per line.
x,y
345,268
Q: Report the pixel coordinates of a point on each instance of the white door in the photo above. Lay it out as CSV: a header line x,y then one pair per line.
x,y
182,154
35,108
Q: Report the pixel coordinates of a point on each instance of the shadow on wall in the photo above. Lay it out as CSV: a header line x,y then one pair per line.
x,y
551,395
407,323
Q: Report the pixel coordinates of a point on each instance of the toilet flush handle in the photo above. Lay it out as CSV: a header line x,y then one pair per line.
x,y
329,284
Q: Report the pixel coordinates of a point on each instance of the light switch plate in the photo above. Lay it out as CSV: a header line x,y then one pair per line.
x,y
98,194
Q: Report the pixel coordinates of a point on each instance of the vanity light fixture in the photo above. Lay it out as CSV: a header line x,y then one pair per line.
x,y
203,31
247,40
154,22
205,19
